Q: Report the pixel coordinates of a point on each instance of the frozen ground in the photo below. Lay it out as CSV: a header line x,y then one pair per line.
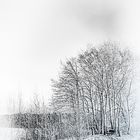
x,y
99,137
130,137
10,133
103,138
13,133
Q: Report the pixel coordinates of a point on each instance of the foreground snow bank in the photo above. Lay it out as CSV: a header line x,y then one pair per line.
x,y
14,134
127,137
10,133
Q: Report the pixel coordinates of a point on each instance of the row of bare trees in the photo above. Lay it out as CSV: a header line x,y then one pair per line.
x,y
39,123
96,88
92,95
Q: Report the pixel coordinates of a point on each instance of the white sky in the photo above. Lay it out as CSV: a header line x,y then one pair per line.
x,y
36,34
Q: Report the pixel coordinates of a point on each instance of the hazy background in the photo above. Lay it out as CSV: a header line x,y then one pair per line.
x,y
36,34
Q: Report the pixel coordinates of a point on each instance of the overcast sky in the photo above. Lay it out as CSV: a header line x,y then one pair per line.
x,y
35,35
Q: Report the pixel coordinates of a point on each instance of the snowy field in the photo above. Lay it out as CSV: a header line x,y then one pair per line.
x,y
137,137
10,133
13,133
113,138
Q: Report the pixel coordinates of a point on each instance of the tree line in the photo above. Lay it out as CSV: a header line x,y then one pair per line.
x,y
96,87
92,95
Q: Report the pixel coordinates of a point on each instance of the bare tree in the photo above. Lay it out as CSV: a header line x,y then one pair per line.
x,y
96,85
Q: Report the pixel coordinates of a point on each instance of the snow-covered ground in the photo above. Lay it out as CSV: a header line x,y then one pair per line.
x,y
100,137
130,137
13,133
10,133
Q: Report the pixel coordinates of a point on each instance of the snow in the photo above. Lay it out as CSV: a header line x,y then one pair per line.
x,y
127,137
10,133
13,133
